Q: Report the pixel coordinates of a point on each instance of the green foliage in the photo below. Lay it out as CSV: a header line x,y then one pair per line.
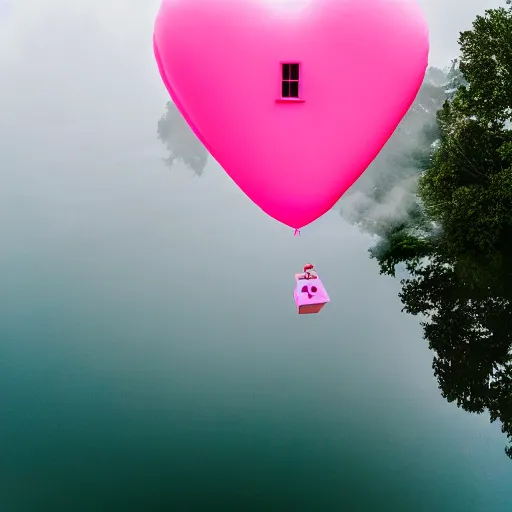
x,y
457,247
402,243
487,64
401,248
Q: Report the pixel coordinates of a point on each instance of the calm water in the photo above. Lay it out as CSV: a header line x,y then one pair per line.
x,y
150,354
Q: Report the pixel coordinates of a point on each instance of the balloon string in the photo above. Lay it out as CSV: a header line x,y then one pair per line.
x,y
297,232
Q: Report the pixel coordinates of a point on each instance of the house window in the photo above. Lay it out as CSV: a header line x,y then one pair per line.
x,y
290,80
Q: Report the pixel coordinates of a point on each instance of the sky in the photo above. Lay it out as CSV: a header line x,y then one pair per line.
x,y
131,22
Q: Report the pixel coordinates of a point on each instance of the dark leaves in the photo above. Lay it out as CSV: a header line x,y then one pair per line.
x,y
460,271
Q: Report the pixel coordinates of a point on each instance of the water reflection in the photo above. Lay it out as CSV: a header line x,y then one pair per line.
x,y
468,321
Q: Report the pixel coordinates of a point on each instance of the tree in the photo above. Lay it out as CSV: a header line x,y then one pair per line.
x,y
181,141
457,247
486,64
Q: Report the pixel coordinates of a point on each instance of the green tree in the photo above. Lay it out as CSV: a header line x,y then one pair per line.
x,y
457,245
487,65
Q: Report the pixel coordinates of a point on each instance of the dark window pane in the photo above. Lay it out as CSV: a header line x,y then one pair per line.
x,y
286,71
285,91
294,89
294,71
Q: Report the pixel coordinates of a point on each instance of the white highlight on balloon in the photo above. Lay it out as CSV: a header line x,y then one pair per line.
x,y
289,5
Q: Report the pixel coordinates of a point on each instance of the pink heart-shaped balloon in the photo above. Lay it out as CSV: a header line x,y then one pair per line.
x,y
361,64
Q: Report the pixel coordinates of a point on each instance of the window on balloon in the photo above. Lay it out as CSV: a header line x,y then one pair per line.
x,y
290,80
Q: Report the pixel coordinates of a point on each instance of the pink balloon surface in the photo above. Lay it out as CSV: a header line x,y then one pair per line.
x,y
361,64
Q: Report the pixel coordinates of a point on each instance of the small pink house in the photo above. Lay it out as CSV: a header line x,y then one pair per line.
x,y
309,294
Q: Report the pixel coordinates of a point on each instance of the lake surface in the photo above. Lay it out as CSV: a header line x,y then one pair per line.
x,y
151,357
